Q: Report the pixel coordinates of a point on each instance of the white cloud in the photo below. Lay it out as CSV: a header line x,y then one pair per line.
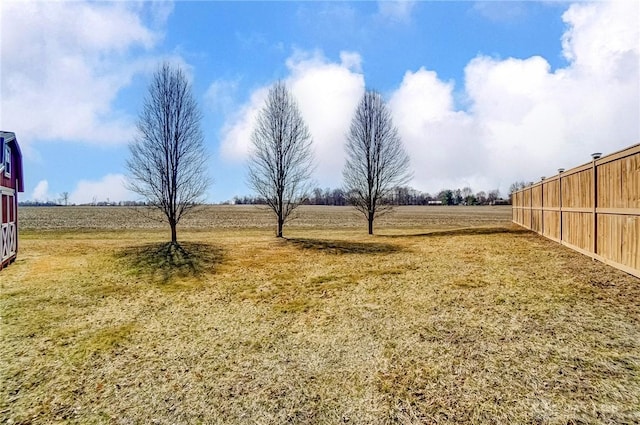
x,y
523,119
41,192
236,133
351,61
439,139
501,11
592,105
111,187
63,64
603,39
396,10
326,92
220,96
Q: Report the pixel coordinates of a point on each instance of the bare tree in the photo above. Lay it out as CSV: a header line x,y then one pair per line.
x,y
467,196
516,186
481,197
281,162
376,159
493,195
167,163
65,198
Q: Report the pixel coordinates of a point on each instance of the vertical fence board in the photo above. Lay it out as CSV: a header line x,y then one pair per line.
x,y
551,224
576,230
552,193
536,221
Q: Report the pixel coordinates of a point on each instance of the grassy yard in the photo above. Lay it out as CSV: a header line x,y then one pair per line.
x,y
447,315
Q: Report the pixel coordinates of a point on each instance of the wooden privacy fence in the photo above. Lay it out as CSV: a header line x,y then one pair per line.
x,y
593,208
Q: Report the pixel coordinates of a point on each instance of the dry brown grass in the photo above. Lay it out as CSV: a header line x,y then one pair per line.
x,y
447,316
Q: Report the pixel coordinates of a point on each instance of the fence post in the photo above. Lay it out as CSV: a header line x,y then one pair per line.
x,y
531,207
542,205
560,171
595,156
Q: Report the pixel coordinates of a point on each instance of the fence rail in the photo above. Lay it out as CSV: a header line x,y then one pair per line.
x,y
593,208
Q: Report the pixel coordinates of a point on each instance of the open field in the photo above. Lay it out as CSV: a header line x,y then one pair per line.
x,y
257,217
447,315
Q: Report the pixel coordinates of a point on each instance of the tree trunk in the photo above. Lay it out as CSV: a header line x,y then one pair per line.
x,y
174,236
371,224
280,224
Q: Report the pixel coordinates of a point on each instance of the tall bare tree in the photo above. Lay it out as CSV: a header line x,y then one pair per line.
x,y
376,159
281,162
167,163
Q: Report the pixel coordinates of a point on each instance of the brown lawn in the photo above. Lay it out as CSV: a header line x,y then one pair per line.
x,y
447,315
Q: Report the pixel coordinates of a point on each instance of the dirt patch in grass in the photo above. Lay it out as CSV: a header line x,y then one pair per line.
x,y
455,319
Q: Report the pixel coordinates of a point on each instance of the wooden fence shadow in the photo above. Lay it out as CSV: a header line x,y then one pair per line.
x,y
466,231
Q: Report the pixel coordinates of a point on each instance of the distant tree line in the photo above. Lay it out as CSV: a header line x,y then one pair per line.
x,y
518,185
62,203
399,196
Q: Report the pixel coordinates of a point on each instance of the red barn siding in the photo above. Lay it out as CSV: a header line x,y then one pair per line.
x,y
9,187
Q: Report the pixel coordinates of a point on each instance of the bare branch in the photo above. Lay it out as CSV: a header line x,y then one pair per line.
x,y
167,163
281,162
376,159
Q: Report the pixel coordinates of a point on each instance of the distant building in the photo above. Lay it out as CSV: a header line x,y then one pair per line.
x,y
10,184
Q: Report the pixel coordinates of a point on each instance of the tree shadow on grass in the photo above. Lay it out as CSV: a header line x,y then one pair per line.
x,y
343,247
167,261
467,231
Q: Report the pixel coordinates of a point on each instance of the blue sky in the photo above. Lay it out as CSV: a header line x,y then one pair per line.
x,y
482,93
